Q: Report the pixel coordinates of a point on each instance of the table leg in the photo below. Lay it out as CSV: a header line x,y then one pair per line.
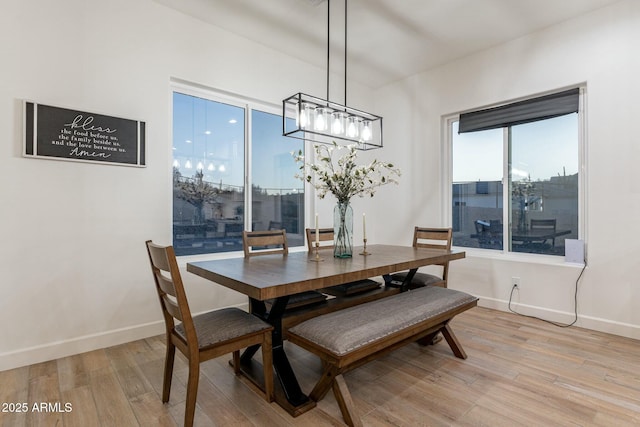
x,y
404,286
407,279
296,402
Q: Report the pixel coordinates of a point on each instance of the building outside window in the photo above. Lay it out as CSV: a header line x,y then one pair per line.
x,y
221,145
516,181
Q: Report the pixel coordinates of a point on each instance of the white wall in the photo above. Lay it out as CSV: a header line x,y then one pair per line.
x,y
74,270
73,265
599,49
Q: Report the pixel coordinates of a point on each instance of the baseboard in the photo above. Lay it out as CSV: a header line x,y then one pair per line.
x,y
588,322
57,349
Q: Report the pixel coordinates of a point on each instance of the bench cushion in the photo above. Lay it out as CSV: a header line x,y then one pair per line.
x,y
347,330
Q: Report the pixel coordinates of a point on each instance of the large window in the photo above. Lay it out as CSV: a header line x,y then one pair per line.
x,y
516,183
219,147
277,197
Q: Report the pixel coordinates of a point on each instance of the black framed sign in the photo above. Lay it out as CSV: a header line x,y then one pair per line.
x,y
64,134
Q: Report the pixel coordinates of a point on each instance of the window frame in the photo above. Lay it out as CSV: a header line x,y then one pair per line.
x,y
248,105
447,179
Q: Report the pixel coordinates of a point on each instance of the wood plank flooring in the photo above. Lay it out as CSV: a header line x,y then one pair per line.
x,y
520,371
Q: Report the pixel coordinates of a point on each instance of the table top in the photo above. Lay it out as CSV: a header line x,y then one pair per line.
x,y
271,276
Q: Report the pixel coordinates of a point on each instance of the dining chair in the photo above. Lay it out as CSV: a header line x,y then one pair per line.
x,y
434,238
489,233
325,242
204,336
275,225
265,242
325,238
268,242
545,225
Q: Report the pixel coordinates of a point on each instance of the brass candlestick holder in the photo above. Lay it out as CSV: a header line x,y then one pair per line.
x,y
364,249
317,257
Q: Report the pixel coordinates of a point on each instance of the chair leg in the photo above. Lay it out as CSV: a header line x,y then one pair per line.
x,y
192,392
168,370
267,363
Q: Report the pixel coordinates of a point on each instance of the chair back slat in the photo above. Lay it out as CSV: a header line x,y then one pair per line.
x,y
172,307
170,289
325,238
261,242
434,238
159,257
166,284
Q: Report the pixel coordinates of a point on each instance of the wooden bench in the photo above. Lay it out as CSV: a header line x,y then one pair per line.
x,y
351,337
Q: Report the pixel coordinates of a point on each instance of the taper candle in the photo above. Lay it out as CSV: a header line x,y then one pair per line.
x,y
364,226
317,233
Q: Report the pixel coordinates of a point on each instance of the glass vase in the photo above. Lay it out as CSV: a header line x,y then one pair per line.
x,y
343,230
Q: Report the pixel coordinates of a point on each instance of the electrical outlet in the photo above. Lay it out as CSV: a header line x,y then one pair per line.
x,y
515,282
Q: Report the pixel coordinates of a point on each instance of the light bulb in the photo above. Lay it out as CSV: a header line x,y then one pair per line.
x,y
176,164
187,165
352,128
320,122
337,123
211,167
200,166
366,131
305,115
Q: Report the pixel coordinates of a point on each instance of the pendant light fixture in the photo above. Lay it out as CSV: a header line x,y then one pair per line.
x,y
320,120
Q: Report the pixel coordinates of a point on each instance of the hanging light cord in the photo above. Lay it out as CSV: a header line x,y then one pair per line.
x,y
328,43
329,48
575,304
345,52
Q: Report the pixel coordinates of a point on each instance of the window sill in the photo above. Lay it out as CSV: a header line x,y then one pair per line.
x,y
518,257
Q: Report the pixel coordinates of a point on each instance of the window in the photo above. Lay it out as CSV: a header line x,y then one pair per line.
x,y
219,146
277,197
516,182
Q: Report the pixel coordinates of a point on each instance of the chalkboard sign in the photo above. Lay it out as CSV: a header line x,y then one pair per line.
x,y
64,134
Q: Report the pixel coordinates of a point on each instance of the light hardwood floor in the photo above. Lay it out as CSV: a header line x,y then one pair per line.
x,y
519,371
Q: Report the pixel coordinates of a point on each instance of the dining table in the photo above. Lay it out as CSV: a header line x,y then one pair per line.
x,y
270,280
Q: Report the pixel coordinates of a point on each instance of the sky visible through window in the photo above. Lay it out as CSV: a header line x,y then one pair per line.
x,y
213,133
273,166
540,150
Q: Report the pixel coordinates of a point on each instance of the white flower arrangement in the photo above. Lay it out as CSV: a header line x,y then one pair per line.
x,y
342,177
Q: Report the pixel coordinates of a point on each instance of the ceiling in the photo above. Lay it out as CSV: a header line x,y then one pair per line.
x,y
387,39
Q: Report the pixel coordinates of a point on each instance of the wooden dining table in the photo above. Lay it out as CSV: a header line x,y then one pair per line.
x,y
276,277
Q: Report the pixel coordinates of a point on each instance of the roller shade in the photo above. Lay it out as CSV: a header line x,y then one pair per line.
x,y
517,113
